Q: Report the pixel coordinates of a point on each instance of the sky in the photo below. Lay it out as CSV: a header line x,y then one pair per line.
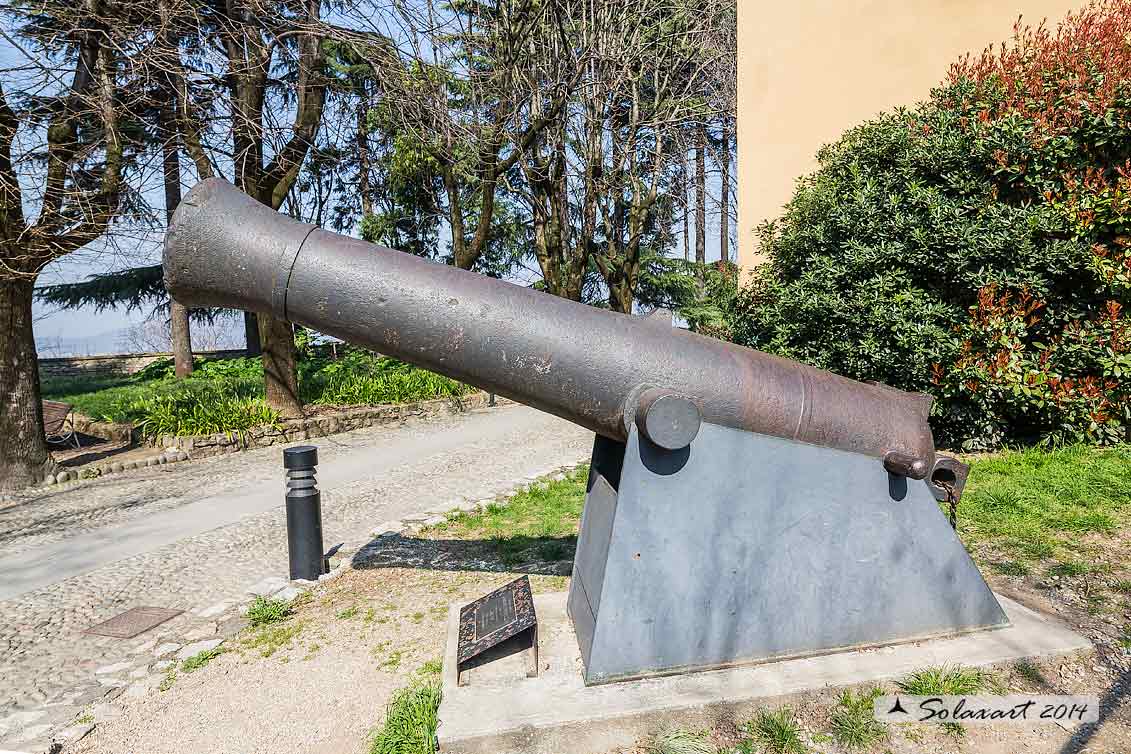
x,y
83,331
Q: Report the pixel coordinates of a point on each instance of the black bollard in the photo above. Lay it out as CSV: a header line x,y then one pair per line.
x,y
304,513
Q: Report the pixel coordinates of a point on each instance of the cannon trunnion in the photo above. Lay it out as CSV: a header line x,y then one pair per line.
x,y
740,506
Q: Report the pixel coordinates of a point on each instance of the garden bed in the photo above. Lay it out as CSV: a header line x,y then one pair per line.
x,y
222,405
322,421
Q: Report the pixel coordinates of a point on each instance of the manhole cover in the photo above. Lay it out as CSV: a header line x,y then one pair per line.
x,y
133,622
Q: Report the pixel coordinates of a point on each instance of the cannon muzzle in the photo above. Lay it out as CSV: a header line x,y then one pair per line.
x,y
596,368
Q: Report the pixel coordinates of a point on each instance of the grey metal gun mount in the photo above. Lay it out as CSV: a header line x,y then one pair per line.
x,y
740,506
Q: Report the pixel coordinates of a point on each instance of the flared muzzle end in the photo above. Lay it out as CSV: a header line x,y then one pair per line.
x,y
225,249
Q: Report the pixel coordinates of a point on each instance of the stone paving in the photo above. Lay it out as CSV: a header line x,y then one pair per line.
x,y
52,674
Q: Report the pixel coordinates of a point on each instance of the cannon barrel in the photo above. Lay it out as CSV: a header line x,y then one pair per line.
x,y
590,366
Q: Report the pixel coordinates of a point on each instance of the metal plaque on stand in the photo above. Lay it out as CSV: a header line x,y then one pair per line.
x,y
496,618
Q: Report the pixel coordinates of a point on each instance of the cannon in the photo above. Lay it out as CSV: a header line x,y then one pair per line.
x,y
740,507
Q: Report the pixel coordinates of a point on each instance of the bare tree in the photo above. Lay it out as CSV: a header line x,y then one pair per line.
x,y
178,314
684,205
151,335
169,134
250,50
462,89
723,93
260,59
724,190
701,193
594,176
641,93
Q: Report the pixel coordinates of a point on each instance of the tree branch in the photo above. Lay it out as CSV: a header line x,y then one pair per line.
x,y
280,174
99,208
12,222
62,130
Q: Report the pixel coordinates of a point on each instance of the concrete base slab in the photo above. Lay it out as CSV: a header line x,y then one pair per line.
x,y
499,710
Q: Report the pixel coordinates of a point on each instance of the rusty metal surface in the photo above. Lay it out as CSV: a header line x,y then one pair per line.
x,y
583,364
948,479
133,622
906,465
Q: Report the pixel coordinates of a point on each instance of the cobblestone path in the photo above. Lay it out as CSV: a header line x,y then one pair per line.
x,y
189,536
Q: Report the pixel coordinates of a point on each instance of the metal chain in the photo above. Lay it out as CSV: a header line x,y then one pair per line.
x,y
952,501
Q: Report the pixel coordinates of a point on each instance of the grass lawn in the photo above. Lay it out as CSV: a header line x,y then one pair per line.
x,y
227,394
539,523
1024,507
130,399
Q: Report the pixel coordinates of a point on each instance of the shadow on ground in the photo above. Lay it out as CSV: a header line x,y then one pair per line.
x,y
1111,703
90,449
547,556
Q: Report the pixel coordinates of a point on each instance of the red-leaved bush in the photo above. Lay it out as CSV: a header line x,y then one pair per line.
x,y
977,246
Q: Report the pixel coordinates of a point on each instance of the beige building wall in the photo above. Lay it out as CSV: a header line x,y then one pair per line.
x,y
809,69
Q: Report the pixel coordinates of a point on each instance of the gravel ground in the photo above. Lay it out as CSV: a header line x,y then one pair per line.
x,y
49,668
362,637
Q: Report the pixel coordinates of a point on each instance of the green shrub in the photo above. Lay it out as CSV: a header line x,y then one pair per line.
x,y
359,378
854,724
976,246
700,295
244,368
225,395
945,680
154,394
198,412
372,390
776,732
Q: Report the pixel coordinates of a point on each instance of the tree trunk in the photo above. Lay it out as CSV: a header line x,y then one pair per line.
x,y
251,334
724,193
684,205
179,332
24,459
363,164
280,359
571,284
620,296
561,273
701,195
280,368
181,337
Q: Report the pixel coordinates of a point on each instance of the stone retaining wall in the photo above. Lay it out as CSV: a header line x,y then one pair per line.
x,y
294,430
105,430
114,364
